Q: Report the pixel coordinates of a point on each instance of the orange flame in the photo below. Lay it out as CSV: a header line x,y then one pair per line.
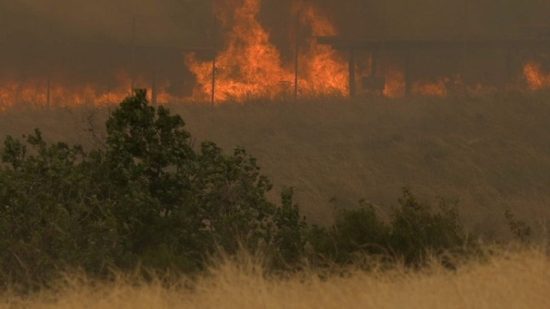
x,y
250,66
324,70
43,93
395,85
535,77
431,89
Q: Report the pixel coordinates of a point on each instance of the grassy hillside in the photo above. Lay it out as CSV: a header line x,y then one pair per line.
x,y
488,153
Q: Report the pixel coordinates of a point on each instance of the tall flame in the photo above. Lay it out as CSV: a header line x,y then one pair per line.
x,y
250,66
324,70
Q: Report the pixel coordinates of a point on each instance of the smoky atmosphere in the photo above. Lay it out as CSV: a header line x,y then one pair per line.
x,y
274,153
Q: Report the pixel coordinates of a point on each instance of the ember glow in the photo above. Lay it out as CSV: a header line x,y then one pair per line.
x,y
250,66
395,85
437,88
536,78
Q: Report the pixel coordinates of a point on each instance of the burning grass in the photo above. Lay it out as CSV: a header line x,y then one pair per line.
x,y
513,279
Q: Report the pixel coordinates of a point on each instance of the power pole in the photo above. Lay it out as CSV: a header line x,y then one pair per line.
x,y
213,98
48,92
297,55
352,85
213,38
133,55
154,89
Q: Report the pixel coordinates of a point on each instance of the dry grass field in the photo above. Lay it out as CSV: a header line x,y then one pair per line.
x,y
487,153
517,279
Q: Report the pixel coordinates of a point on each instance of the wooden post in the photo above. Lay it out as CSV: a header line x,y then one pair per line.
x,y
296,56
133,56
407,72
154,90
48,93
352,85
213,98
374,78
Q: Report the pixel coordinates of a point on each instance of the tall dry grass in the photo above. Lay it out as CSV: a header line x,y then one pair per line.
x,y
488,153
519,279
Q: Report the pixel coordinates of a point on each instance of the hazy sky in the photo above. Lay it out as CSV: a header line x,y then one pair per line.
x,y
171,21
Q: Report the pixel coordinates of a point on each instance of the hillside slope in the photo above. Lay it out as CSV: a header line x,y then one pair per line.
x,y
485,152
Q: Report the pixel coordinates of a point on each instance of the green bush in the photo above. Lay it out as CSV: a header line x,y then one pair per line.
x,y
148,198
418,231
413,233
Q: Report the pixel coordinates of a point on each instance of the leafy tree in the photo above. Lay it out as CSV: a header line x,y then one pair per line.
x,y
148,198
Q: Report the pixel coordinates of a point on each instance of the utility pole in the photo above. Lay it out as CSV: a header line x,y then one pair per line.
x,y
133,55
408,73
213,98
296,54
213,38
352,85
48,92
154,89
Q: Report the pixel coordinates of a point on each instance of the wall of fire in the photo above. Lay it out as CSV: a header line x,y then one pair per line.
x,y
97,50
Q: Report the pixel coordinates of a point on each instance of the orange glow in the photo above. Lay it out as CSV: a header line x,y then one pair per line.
x,y
37,94
395,86
431,89
250,66
535,77
40,94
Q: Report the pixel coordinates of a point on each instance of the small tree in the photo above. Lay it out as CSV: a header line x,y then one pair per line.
x,y
148,198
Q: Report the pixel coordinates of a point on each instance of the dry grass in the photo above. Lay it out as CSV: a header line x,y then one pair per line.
x,y
486,152
509,280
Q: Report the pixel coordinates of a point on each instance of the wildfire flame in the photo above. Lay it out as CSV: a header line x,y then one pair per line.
x,y
43,93
250,66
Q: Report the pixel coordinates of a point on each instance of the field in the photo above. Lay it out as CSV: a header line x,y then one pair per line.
x,y
517,279
486,153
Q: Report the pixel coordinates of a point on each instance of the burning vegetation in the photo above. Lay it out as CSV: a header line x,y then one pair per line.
x,y
251,65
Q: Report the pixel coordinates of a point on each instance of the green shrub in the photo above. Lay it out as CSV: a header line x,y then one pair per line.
x,y
148,198
413,232
417,230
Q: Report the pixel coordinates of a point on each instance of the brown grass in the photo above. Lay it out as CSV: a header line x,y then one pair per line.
x,y
519,279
